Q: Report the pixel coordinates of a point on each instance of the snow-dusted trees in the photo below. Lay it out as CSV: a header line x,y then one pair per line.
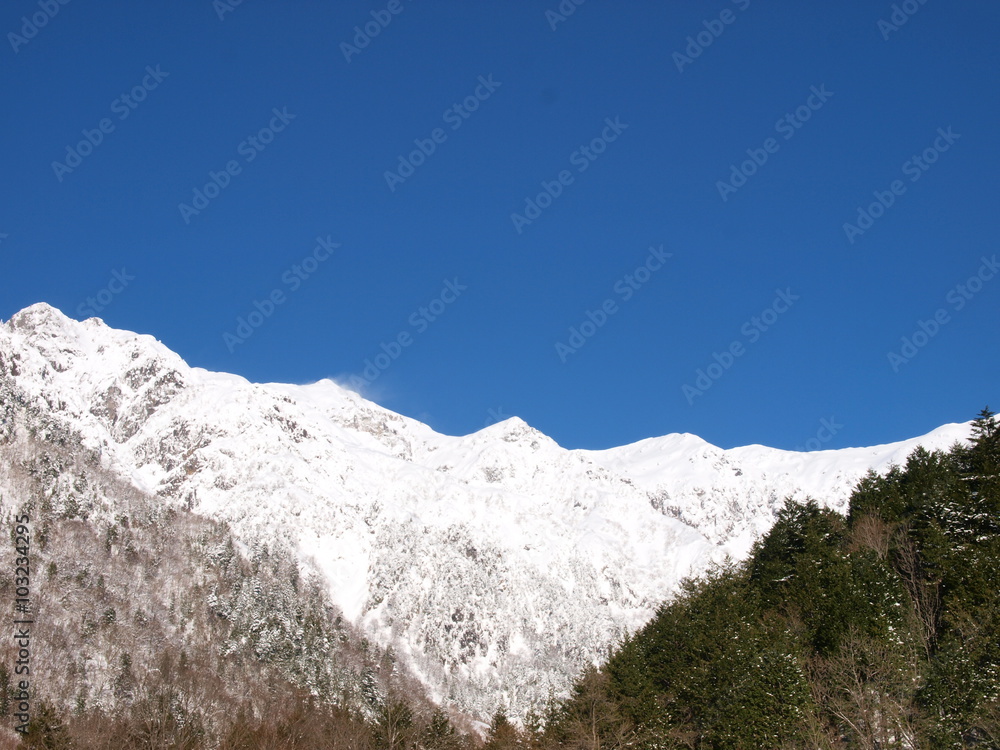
x,y
154,627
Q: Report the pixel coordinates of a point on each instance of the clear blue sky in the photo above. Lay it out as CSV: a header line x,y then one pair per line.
x,y
663,119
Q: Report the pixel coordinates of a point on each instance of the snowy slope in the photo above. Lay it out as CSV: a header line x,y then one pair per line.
x,y
497,564
730,495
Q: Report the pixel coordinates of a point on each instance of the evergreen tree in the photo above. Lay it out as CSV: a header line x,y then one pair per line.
x,y
982,458
502,734
440,734
985,430
800,569
46,730
878,495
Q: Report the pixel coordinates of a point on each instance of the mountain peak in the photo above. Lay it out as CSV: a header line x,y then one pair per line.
x,y
515,430
38,315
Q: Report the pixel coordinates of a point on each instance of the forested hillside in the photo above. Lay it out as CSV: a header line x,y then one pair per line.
x,y
153,627
878,630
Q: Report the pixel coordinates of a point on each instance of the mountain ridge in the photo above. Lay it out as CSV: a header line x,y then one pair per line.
x,y
498,564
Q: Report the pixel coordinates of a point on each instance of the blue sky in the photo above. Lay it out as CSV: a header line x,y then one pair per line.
x,y
619,222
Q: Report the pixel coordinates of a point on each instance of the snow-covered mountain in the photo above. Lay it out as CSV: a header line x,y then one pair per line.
x,y
495,564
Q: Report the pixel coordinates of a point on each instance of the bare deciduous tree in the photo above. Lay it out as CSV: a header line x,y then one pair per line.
x,y
868,687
